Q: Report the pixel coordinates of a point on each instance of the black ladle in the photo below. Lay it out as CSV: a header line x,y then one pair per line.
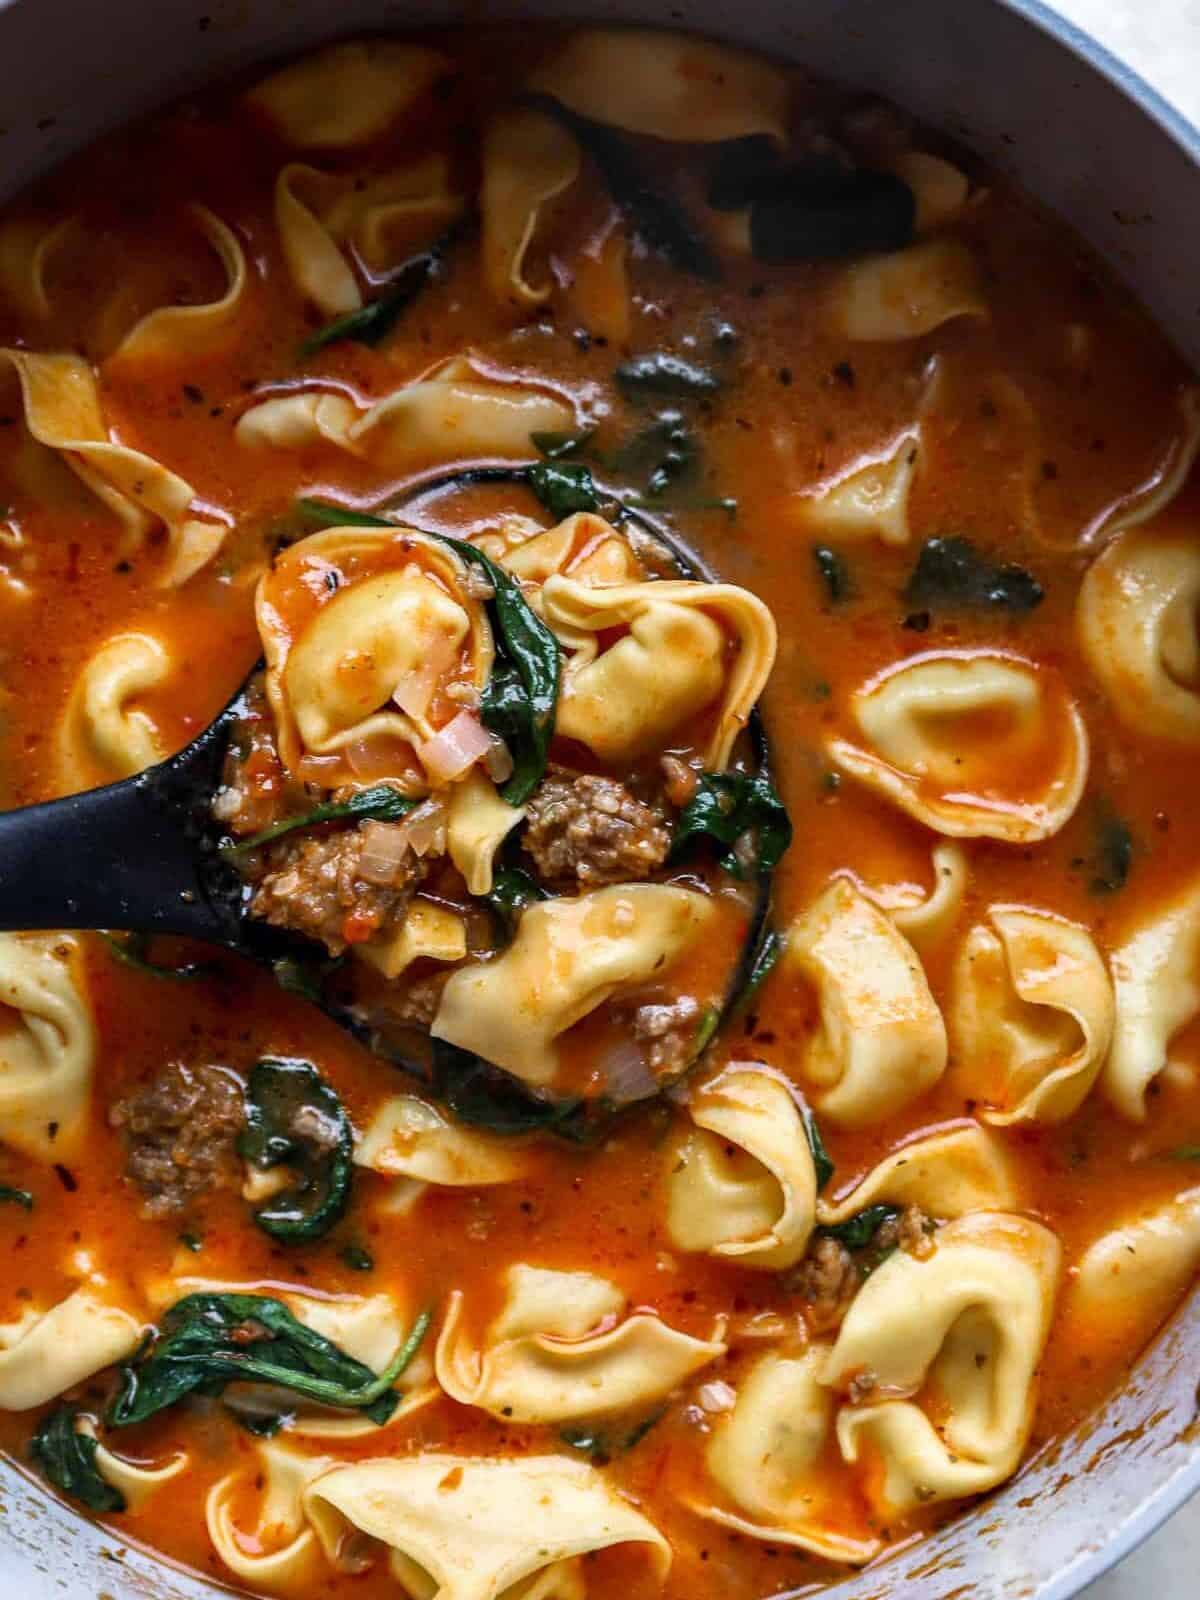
x,y
143,855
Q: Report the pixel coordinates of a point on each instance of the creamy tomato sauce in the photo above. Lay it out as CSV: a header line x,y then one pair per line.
x,y
1037,419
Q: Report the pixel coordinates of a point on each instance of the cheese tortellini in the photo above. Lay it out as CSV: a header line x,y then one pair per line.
x,y
1031,1017
369,634
416,1144
47,1044
280,1549
455,412
44,1353
529,161
568,958
946,1174
557,1352
462,1528
974,745
347,94
869,501
964,1328
61,404
689,648
908,293
1129,1278
173,333
881,1041
1156,979
769,1458
1137,625
666,85
925,920
106,733
741,1182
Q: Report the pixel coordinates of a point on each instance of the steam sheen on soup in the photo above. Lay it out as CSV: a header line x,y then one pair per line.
x,y
797,1121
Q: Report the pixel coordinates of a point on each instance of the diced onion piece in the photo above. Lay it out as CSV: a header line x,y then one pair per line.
x,y
415,690
717,1396
625,1074
385,846
425,828
455,748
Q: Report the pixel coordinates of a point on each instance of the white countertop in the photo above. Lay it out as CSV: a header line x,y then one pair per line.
x,y
1161,40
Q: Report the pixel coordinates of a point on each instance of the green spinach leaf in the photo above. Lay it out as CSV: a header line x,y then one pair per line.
x,y
825,211
380,803
601,1443
741,812
951,575
372,323
559,446
834,573
857,1232
1112,854
130,951
563,487
208,1341
480,1094
514,891
294,1118
67,1459
662,224
15,1197
822,1162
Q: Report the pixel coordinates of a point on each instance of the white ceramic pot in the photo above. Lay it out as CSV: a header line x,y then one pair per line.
x,y
1042,102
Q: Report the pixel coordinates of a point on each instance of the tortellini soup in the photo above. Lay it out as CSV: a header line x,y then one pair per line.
x,y
706,581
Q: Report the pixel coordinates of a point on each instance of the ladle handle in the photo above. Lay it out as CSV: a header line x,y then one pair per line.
x,y
119,857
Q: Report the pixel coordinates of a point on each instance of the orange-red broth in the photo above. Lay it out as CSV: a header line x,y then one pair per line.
x,y
803,404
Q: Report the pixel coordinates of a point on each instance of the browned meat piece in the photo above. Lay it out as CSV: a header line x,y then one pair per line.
x,y
180,1130
912,1231
593,829
321,887
668,1034
827,1280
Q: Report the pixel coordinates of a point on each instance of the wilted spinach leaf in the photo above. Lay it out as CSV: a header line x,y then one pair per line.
x,y
824,211
207,1341
480,1094
661,373
835,574
130,951
601,1443
558,446
305,975
765,957
371,323
15,1197
822,1163
742,813
563,487
951,575
380,803
660,222
1112,854
294,1119
67,1459
521,695
739,169
857,1232
514,891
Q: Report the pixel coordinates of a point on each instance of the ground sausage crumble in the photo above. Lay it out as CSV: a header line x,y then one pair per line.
x,y
593,829
181,1130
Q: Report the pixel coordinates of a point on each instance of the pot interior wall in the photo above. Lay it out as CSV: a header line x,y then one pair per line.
x,y
1072,135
